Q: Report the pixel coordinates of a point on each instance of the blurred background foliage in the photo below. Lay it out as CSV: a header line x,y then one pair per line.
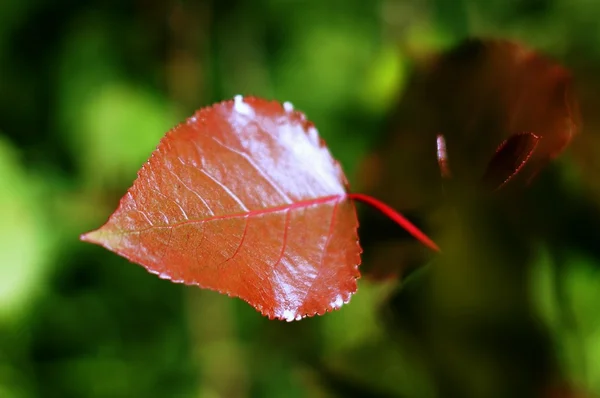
x,y
88,89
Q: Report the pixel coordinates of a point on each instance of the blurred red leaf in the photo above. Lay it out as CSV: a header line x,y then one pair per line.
x,y
509,159
493,90
477,96
245,199
466,114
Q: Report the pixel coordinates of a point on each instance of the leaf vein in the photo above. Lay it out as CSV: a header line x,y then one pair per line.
x,y
250,213
157,191
286,227
256,167
193,191
237,250
229,192
329,234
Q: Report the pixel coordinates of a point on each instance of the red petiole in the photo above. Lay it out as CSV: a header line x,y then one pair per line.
x,y
397,218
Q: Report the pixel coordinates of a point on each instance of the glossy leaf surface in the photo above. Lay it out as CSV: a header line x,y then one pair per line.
x,y
245,199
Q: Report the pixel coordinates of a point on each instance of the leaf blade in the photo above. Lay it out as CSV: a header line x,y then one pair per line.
x,y
220,202
510,157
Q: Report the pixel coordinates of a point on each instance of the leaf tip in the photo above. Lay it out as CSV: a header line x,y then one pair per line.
x,y
99,237
89,237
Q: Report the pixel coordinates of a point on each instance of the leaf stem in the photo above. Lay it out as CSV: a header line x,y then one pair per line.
x,y
397,218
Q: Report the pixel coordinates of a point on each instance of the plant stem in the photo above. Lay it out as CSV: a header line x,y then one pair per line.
x,y
397,218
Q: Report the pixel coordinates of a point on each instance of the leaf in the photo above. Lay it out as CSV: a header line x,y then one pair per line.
x,y
477,96
490,90
509,159
245,199
459,107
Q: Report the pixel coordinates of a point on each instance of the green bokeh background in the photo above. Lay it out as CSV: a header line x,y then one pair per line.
x,y
87,89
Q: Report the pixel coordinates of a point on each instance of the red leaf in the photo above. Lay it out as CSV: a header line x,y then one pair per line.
x,y
509,159
474,97
243,198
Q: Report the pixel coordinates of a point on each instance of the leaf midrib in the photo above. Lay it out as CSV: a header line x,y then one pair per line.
x,y
250,213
